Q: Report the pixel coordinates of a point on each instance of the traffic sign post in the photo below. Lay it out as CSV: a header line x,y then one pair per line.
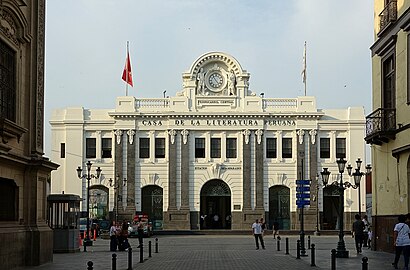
x,y
302,199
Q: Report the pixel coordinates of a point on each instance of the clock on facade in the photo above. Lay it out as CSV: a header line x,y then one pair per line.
x,y
216,80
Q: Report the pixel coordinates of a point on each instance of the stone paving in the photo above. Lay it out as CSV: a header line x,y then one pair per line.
x,y
220,252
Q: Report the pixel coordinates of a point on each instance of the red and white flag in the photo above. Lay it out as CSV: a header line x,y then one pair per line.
x,y
127,74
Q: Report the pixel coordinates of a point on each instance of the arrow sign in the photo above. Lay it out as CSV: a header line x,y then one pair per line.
x,y
302,189
302,182
302,202
302,195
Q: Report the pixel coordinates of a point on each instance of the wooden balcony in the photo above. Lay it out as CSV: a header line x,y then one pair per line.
x,y
388,15
381,126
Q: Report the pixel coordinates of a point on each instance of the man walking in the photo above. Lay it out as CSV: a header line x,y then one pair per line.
x,y
257,233
357,233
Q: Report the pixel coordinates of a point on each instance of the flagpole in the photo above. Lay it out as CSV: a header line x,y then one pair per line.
x,y
305,68
126,82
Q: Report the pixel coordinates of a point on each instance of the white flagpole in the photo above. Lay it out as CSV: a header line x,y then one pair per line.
x,y
304,67
127,70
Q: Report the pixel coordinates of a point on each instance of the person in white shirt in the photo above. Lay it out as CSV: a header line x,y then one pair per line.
x,y
257,233
366,230
402,242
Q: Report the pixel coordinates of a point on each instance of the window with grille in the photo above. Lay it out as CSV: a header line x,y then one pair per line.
x,y
215,148
199,147
231,147
324,147
90,148
271,148
106,148
144,147
287,148
7,82
159,147
340,148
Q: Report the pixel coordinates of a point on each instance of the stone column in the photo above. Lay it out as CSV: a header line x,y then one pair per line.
x,y
118,171
131,209
259,142
172,173
246,170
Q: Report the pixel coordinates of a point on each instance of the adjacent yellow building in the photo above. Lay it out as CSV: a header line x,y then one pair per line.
x,y
388,126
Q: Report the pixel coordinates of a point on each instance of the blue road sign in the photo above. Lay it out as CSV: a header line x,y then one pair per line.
x,y
302,189
303,195
302,202
302,182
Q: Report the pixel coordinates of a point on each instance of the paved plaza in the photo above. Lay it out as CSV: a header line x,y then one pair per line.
x,y
220,252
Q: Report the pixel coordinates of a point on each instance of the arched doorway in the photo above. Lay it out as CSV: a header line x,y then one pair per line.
x,y
279,207
98,202
216,205
152,201
331,201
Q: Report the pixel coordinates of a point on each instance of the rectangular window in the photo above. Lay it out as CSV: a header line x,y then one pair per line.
x,y
106,148
91,148
231,148
324,147
271,148
62,150
215,148
199,148
287,148
340,148
8,82
159,147
144,147
389,86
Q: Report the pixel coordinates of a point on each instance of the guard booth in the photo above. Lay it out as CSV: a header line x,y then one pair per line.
x,y
63,219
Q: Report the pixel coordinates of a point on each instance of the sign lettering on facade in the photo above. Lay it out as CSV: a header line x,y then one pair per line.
x,y
219,122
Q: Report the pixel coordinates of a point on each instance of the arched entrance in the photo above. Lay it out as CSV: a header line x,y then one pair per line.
x,y
331,201
279,207
98,202
152,200
216,205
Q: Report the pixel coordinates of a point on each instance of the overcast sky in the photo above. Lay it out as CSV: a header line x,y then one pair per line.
x,y
86,48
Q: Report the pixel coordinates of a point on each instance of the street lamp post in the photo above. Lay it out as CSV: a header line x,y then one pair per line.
x,y
116,195
357,176
317,230
87,241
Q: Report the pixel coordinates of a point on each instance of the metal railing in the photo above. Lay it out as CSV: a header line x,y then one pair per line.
x,y
388,14
381,121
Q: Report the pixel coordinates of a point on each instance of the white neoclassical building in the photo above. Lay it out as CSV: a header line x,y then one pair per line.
x,y
216,148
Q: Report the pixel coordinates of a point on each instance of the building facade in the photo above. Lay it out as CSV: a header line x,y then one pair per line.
x,y
215,155
388,126
25,238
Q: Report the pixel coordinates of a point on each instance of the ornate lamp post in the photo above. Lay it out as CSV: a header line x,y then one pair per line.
x,y
116,185
88,176
357,176
341,251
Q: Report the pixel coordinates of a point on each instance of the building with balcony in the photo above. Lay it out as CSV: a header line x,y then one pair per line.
x,y
388,126
215,148
25,238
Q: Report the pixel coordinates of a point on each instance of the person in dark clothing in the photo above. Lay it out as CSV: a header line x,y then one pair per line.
x,y
357,233
140,232
123,243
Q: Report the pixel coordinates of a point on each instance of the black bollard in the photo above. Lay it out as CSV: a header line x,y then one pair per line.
x,y
114,262
278,244
156,245
308,241
287,246
129,258
149,249
298,249
141,253
90,265
365,264
312,255
333,260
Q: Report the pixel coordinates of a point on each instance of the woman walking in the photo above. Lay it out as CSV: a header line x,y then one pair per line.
x,y
402,242
113,236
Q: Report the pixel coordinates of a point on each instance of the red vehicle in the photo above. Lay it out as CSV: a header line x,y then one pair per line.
x,y
147,225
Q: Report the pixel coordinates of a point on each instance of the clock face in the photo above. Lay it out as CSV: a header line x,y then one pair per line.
x,y
215,80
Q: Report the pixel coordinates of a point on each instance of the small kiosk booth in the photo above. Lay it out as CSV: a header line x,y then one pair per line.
x,y
63,219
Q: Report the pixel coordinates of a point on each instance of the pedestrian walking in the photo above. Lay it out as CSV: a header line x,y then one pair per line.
x,y
113,237
263,226
275,229
257,233
358,232
366,230
402,242
140,233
